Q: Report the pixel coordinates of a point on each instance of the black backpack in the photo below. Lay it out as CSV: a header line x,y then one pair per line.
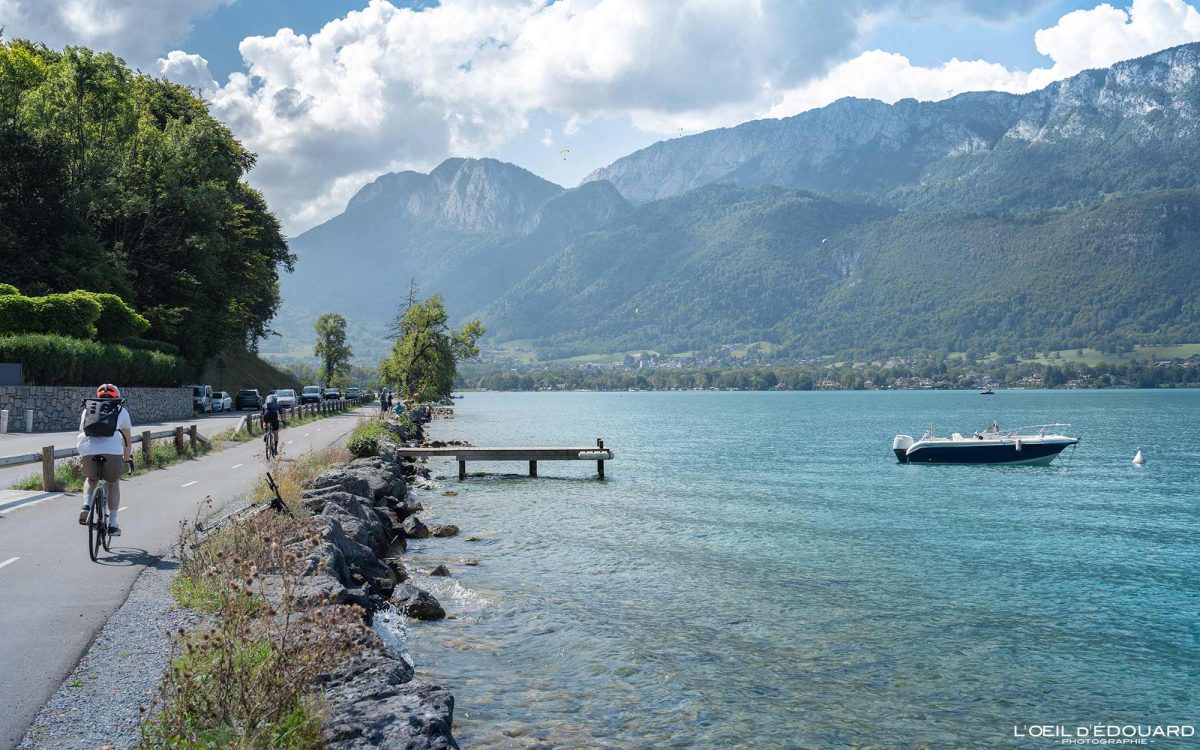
x,y
100,416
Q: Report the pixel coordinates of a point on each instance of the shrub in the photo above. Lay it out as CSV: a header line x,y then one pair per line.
x,y
117,321
17,314
61,360
8,289
72,314
363,445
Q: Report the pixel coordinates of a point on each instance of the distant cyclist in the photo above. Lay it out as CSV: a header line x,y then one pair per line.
x,y
104,430
271,415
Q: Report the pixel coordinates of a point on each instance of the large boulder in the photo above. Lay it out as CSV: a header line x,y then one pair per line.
x,y
373,703
414,529
341,479
417,603
344,531
367,528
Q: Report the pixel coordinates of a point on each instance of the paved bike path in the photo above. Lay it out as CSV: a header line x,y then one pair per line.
x,y
54,599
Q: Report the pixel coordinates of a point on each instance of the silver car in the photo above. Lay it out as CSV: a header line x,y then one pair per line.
x,y
286,397
222,401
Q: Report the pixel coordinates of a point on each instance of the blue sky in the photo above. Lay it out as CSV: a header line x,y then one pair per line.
x,y
332,93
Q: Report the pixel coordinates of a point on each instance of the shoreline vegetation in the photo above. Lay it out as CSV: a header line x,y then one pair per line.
x,y
283,655
894,374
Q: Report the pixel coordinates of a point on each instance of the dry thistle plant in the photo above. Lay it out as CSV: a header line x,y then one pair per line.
x,y
247,679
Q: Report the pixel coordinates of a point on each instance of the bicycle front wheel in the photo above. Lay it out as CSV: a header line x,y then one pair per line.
x,y
98,523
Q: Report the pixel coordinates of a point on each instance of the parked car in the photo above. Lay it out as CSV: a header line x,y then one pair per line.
x,y
286,397
202,398
311,394
332,393
353,392
247,399
222,401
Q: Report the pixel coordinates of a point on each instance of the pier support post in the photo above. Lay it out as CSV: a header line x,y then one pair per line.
x,y
600,463
462,470
533,469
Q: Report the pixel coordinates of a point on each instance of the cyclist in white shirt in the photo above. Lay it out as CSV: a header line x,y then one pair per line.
x,y
116,448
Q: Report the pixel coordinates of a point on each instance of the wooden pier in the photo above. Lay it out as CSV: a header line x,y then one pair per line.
x,y
465,453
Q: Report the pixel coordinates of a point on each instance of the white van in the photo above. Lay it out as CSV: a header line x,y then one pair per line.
x,y
202,398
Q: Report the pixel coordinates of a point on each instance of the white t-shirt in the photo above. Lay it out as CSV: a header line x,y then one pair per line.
x,y
104,446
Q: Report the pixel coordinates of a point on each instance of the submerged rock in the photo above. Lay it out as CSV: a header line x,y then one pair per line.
x,y
443,530
440,570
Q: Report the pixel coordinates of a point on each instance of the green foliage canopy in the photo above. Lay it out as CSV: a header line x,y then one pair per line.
x,y
424,359
332,348
120,183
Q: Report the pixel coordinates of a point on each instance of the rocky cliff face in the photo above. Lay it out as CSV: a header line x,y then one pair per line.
x,y
472,195
868,149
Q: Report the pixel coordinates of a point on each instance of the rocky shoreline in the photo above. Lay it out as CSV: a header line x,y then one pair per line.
x,y
365,514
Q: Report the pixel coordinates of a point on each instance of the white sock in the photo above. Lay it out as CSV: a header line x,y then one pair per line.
x,y
112,518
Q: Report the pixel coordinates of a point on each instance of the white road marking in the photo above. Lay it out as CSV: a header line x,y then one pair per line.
x,y
236,466
189,484
307,434
289,442
9,561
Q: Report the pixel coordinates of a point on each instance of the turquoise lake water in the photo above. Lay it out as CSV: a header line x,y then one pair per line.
x,y
758,571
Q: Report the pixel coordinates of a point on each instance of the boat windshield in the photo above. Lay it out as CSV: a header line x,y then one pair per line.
x,y
1040,430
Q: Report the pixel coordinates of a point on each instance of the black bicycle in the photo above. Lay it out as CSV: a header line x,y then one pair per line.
x,y
97,524
271,441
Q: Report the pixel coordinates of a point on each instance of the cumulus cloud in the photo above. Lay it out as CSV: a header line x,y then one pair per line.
x,y
386,87
188,70
134,29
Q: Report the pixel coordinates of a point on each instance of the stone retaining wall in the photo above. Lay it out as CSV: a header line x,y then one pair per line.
x,y
57,408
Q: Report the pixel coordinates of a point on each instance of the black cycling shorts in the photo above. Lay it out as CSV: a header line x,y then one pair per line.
x,y
272,423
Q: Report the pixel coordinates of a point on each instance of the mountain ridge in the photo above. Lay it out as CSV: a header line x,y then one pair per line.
x,y
830,148
827,232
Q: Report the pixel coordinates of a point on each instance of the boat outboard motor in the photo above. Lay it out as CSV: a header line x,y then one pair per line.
x,y
900,447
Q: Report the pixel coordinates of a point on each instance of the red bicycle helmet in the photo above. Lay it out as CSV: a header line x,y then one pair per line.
x,y
108,390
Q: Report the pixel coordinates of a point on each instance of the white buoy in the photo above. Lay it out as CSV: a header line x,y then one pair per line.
x,y
1138,458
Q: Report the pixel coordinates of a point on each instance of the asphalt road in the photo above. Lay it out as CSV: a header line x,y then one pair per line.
x,y
54,599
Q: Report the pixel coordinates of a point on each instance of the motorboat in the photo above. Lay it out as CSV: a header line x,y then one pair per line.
x,y
1038,444
987,391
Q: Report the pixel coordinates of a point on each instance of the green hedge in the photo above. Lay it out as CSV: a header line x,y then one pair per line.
x,y
59,360
118,321
78,314
7,289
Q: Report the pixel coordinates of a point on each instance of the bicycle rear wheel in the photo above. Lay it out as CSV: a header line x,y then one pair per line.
x,y
98,523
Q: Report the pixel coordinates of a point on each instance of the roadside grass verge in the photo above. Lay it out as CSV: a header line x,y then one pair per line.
x,y
246,679
68,473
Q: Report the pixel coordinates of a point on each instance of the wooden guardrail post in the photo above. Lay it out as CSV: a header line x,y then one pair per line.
x,y
192,438
48,468
179,440
146,441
